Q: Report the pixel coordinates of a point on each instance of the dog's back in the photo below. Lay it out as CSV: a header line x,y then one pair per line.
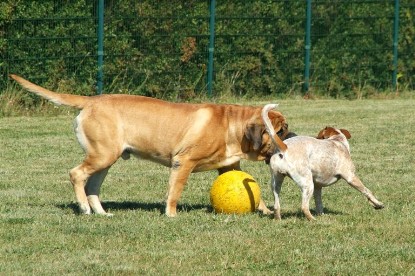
x,y
327,160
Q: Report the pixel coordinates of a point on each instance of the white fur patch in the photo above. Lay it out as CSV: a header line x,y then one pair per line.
x,y
229,161
80,135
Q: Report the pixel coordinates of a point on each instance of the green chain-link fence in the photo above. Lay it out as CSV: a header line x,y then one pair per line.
x,y
161,48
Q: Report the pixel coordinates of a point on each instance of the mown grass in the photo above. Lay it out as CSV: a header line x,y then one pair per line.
x,y
40,232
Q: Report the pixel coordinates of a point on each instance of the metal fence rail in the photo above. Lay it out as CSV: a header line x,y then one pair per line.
x,y
361,45
164,49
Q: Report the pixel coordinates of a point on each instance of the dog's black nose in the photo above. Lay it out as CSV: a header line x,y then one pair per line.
x,y
268,159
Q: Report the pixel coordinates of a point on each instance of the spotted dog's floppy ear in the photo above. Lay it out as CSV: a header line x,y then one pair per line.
x,y
254,134
327,132
320,135
346,133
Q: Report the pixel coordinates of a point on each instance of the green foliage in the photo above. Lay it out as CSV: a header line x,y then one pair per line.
x,y
160,48
406,65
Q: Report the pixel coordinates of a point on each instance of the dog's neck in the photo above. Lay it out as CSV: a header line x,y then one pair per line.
x,y
341,139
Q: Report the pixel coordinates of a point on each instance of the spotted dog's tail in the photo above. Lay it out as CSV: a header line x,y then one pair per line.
x,y
270,129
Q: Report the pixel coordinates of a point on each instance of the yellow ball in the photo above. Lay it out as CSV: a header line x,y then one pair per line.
x,y
235,192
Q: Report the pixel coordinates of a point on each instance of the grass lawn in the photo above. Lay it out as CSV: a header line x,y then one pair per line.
x,y
40,232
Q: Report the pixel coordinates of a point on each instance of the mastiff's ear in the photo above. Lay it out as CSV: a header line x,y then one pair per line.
x,y
254,134
279,124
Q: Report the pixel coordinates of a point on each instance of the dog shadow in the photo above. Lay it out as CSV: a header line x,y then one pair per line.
x,y
300,215
160,207
144,206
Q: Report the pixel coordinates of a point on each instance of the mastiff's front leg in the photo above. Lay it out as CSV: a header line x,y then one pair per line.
x,y
179,173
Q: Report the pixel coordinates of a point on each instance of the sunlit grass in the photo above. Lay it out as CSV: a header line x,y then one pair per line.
x,y
40,232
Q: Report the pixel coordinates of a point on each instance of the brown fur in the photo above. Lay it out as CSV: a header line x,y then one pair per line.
x,y
185,137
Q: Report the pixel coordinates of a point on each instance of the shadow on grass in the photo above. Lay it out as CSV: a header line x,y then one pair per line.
x,y
160,207
299,214
150,207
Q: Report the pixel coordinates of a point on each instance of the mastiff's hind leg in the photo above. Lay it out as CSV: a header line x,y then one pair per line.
x,y
92,190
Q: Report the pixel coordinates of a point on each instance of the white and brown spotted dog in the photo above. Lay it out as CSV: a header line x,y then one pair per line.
x,y
313,163
185,137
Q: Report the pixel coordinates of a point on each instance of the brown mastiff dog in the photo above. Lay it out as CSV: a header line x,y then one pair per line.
x,y
185,137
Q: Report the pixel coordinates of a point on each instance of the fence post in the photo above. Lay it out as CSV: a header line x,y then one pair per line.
x,y
211,47
307,47
100,35
395,46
